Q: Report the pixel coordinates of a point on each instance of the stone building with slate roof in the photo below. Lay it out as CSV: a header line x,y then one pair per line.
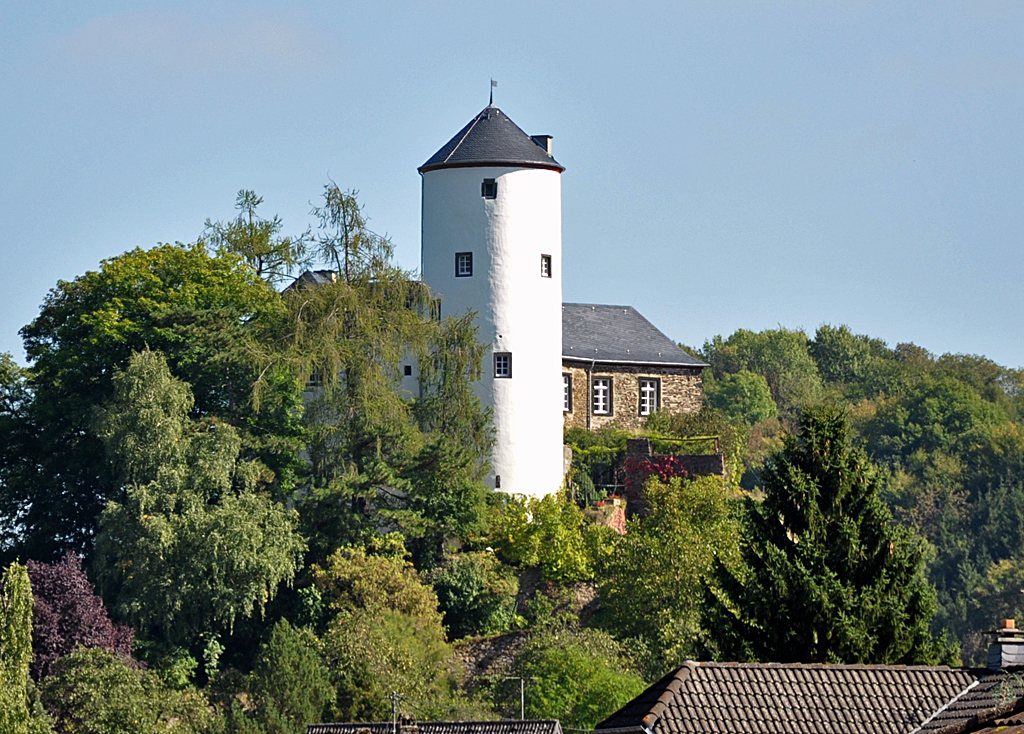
x,y
618,368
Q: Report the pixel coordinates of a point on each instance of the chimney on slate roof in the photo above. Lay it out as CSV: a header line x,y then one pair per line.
x,y
543,141
1007,649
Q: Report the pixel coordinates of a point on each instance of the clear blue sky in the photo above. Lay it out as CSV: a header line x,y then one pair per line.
x,y
729,165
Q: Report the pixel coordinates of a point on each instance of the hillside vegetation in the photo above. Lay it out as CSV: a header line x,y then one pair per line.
x,y
219,513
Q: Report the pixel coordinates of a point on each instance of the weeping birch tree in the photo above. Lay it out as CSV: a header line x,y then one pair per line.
x,y
381,456
194,543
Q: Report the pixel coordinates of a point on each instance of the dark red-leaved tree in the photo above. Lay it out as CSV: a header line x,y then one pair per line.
x,y
68,613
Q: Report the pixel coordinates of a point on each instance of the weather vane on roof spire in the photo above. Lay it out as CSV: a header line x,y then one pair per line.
x,y
493,85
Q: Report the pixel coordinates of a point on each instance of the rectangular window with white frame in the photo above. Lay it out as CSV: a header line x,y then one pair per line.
x,y
566,392
463,264
650,395
545,266
502,364
601,389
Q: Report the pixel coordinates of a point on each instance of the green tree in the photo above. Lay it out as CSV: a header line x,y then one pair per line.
x,y
93,691
194,544
377,456
386,633
257,240
551,533
202,311
827,576
15,649
841,356
290,685
476,594
779,355
666,558
578,676
742,396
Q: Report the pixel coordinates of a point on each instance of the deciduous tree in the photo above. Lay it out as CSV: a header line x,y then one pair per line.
x,y
194,544
68,614
93,691
578,676
386,633
666,559
378,456
202,311
257,240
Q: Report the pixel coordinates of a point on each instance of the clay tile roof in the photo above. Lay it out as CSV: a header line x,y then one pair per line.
x,y
757,698
996,698
529,726
491,139
617,334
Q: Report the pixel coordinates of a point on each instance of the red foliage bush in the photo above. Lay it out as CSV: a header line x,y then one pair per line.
x,y
68,613
664,467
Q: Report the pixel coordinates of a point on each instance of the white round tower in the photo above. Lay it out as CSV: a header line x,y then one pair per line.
x,y
492,243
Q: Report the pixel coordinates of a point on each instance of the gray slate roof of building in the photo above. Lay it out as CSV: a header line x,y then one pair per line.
x,y
751,698
491,139
529,726
617,334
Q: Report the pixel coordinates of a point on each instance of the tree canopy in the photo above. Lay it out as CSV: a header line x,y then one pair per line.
x,y
827,577
194,544
202,311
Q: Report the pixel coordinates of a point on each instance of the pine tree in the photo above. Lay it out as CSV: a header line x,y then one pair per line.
x,y
827,577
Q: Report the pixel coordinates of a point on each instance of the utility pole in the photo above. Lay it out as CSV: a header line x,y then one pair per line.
x,y
522,694
394,712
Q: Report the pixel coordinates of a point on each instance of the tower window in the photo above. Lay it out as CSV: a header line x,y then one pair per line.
x,y
502,364
408,370
602,395
650,395
463,264
489,189
545,266
566,392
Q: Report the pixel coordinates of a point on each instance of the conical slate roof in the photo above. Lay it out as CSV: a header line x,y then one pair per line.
x,y
491,139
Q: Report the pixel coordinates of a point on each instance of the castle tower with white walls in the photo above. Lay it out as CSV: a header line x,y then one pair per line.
x,y
492,243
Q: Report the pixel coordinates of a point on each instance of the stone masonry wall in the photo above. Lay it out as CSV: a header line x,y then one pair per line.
x,y
681,393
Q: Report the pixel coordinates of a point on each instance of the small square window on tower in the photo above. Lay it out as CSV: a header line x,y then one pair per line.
x,y
408,370
463,264
489,189
502,364
545,266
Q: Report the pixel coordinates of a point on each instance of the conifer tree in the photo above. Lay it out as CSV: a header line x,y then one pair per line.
x,y
828,576
15,648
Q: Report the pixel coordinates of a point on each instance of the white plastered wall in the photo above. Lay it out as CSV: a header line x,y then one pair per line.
x,y
518,310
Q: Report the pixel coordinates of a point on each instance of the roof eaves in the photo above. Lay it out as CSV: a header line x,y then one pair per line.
x,y
492,164
599,360
669,694
977,720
